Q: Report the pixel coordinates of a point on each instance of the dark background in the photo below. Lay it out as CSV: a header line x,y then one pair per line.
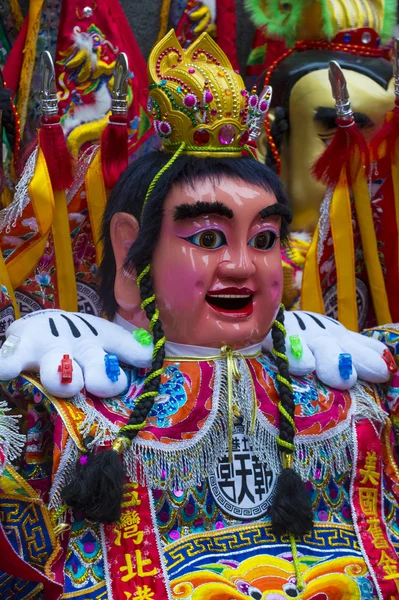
x,y
143,17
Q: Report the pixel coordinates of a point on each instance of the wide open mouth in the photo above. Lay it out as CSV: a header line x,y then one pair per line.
x,y
232,301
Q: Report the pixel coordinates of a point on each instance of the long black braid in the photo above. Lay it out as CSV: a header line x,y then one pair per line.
x,y
291,511
145,400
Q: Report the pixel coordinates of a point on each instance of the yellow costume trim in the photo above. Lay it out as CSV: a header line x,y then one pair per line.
x,y
10,485
370,249
65,269
42,199
6,198
311,295
96,196
25,82
96,588
344,254
68,413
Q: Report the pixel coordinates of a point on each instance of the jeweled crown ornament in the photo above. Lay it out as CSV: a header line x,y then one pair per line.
x,y
197,98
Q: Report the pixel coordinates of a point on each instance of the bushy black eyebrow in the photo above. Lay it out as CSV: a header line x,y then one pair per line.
x,y
276,210
191,211
326,116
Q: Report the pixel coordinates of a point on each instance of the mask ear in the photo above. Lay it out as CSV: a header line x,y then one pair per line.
x,y
261,146
124,231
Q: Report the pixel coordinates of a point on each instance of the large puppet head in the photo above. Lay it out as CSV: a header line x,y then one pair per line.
x,y
304,117
211,232
210,228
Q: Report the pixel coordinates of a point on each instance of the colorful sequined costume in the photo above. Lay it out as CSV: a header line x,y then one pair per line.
x,y
189,535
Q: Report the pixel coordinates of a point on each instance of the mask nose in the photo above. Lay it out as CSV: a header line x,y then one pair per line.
x,y
236,264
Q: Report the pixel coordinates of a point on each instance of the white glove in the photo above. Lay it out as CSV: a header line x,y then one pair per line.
x,y
39,341
323,340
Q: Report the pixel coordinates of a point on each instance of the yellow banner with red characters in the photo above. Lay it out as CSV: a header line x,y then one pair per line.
x,y
133,553
368,506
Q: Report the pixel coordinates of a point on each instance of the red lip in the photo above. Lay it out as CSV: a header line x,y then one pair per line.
x,y
232,290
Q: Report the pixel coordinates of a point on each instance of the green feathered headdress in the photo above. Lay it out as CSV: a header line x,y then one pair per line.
x,y
294,20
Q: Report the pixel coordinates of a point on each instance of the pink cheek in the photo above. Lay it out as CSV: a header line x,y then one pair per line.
x,y
276,290
184,287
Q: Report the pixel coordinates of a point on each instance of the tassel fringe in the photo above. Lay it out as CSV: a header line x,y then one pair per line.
x,y
114,150
53,144
11,440
185,464
348,149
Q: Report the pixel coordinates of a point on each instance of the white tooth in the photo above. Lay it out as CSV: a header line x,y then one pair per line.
x,y
230,296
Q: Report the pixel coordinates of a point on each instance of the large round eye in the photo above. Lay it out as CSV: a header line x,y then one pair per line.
x,y
209,239
264,240
254,593
291,590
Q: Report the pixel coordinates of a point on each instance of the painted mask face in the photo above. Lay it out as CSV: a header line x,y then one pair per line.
x,y
312,126
217,266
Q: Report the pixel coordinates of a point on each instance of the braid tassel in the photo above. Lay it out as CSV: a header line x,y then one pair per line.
x,y
300,584
291,511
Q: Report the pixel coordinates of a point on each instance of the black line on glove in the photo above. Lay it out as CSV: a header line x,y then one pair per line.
x,y
92,329
319,323
300,322
53,328
74,330
332,320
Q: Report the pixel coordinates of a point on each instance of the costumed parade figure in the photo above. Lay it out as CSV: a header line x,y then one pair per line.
x,y
301,129
215,465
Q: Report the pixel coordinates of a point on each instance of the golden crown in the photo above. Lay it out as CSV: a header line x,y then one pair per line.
x,y
197,98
